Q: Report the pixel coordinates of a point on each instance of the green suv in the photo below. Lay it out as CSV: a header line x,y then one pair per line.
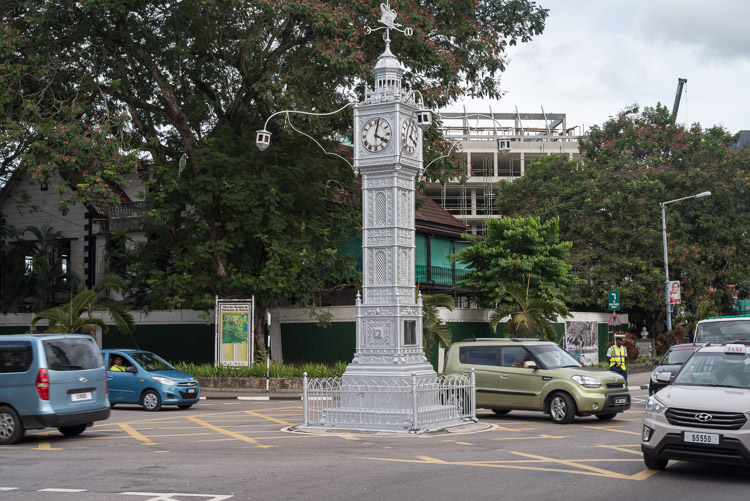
x,y
534,375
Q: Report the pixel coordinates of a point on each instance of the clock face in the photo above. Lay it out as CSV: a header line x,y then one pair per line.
x,y
376,135
409,136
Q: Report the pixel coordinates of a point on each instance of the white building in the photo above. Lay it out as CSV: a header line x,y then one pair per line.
x,y
497,147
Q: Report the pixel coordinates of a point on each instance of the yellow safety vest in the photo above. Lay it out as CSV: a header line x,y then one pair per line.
x,y
618,357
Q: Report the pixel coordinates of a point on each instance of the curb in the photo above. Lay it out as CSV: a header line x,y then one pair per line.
x,y
641,387
252,398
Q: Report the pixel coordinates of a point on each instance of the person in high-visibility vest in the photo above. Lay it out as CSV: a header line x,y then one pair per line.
x,y
616,357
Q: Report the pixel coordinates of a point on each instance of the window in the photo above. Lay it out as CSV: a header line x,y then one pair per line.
x,y
15,356
480,355
71,354
410,332
515,356
28,265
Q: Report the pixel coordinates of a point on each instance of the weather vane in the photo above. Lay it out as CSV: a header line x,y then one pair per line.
x,y
388,20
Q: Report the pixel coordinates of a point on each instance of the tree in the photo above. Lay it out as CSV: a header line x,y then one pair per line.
x,y
90,81
528,316
608,206
433,329
78,315
517,252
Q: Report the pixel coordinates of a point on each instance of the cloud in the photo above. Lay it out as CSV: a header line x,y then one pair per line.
x,y
717,30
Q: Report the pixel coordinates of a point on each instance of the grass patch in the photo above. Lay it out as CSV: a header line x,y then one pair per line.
x,y
258,369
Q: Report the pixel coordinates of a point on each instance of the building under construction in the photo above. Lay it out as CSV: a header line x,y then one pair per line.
x,y
497,147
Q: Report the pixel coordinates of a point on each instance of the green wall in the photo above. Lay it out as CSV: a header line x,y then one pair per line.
x,y
309,342
175,343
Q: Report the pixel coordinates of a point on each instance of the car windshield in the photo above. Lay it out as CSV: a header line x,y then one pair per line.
x,y
725,331
72,354
715,369
554,357
150,361
677,356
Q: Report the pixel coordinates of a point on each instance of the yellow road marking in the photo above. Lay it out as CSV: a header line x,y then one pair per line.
x,y
532,438
609,428
135,434
571,462
227,432
622,448
280,421
505,428
43,444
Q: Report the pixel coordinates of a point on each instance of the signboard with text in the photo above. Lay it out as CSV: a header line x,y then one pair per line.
x,y
235,338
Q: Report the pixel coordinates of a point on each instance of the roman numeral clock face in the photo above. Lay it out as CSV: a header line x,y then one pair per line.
x,y
376,135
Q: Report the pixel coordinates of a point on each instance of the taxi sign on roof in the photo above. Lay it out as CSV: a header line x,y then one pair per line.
x,y
738,349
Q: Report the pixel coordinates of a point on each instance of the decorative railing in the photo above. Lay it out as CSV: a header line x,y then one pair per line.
x,y
388,404
440,274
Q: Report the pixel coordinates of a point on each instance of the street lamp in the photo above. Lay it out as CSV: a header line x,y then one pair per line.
x,y
666,259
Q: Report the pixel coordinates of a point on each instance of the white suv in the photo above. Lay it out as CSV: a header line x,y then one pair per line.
x,y
703,414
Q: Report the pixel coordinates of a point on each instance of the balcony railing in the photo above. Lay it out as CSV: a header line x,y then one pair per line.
x,y
440,274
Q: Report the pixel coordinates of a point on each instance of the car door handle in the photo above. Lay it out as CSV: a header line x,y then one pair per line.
x,y
503,376
109,377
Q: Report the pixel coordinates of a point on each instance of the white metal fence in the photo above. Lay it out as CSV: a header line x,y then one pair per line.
x,y
413,405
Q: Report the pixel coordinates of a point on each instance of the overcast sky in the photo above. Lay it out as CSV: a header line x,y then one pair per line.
x,y
597,57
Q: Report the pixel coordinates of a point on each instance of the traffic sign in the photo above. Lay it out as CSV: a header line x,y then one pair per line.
x,y
613,298
614,319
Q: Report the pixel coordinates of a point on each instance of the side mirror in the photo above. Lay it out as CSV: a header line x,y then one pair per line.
x,y
664,377
655,361
529,365
131,369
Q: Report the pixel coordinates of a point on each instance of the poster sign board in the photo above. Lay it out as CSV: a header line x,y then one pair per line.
x,y
613,300
235,329
673,286
582,341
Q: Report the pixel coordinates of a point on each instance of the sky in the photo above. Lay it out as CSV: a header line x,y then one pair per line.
x,y
598,57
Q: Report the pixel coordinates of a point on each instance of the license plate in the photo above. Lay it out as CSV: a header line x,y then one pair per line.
x,y
621,400
77,397
701,438
191,390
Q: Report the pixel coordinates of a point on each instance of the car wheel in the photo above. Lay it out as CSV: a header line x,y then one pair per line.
x,y
11,427
655,463
185,406
72,431
501,411
606,417
151,401
562,409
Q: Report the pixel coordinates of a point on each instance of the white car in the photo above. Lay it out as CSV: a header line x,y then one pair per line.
x,y
703,414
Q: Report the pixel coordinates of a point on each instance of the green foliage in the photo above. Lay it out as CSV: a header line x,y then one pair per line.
x,y
258,369
608,206
530,316
77,314
666,339
517,253
433,328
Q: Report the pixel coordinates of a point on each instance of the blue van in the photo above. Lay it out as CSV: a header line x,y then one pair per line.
x,y
50,381
142,377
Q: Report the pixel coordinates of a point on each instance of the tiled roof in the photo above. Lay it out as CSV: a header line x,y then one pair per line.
x,y
432,217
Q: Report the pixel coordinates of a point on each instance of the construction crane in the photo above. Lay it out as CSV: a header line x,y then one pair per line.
x,y
680,83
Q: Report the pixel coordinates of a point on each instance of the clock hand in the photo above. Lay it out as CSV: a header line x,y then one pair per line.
x,y
381,138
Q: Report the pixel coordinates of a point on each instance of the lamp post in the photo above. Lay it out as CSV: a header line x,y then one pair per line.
x,y
666,259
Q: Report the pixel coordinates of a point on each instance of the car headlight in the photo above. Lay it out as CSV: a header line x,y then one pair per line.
x,y
653,376
587,381
653,405
163,380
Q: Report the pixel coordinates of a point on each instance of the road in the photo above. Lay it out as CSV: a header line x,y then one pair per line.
x,y
239,450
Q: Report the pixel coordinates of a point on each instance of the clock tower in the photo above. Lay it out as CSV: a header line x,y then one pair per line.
x,y
388,155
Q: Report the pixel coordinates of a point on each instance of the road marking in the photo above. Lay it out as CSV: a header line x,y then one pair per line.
x,y
533,438
51,489
43,444
580,469
135,434
280,421
8,488
227,432
622,448
610,428
168,496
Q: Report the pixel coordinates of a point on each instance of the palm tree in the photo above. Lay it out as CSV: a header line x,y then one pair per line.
x,y
528,316
433,328
78,314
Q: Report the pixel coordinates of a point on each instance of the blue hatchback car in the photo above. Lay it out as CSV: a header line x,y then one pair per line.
x,y
144,378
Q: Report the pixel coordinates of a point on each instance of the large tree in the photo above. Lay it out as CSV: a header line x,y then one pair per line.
x,y
608,205
89,81
518,253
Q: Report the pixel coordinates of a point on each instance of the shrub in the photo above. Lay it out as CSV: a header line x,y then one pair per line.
x,y
258,369
669,338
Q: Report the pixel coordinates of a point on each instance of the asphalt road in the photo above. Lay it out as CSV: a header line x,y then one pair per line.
x,y
235,449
